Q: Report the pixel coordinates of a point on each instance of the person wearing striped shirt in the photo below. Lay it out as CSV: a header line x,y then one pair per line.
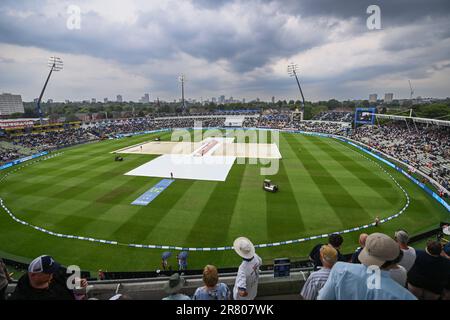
x,y
317,279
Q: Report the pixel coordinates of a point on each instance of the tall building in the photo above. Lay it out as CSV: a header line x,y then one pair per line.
x,y
221,99
145,98
373,98
11,103
105,100
119,98
94,100
388,97
273,100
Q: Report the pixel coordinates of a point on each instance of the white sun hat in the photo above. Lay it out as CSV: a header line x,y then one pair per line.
x,y
244,248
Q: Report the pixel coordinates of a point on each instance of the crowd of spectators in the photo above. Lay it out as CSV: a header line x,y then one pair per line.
x,y
426,148
53,139
7,155
334,116
284,121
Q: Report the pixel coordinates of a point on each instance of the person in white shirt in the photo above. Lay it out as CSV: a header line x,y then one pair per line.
x,y
409,254
246,284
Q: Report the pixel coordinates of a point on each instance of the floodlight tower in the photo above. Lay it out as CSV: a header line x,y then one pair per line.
x,y
55,64
292,71
411,90
182,79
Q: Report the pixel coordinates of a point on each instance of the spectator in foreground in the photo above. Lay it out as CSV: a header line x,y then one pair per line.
x,y
430,274
317,279
335,240
397,272
212,289
44,281
349,281
173,288
246,284
362,243
409,254
4,279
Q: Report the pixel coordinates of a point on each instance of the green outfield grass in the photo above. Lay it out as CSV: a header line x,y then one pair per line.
x,y
325,186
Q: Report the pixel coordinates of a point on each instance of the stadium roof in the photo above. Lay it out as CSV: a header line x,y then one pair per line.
x,y
415,119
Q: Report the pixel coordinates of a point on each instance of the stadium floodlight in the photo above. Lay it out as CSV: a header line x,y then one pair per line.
x,y
293,71
182,79
55,64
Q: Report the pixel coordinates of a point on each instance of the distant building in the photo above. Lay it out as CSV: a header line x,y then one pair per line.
x,y
119,98
145,98
50,101
94,100
11,103
243,101
214,100
373,98
221,99
105,100
388,97
273,100
67,101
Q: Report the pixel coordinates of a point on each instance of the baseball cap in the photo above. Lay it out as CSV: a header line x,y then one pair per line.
x,y
379,249
329,253
43,264
446,249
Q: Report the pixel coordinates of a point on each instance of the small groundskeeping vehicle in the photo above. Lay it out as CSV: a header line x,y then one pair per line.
x,y
269,186
118,158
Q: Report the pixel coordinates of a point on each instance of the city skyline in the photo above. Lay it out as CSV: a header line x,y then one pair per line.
x,y
236,47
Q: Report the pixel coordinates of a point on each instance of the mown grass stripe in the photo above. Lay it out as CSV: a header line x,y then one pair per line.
x,y
212,225
309,198
250,209
376,180
180,219
348,210
143,222
284,220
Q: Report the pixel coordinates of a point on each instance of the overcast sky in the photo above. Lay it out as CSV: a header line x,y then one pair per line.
x,y
235,48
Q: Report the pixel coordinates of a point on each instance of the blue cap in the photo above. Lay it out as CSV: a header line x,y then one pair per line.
x,y
43,264
446,249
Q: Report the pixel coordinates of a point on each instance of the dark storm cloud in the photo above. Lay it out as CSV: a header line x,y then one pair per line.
x,y
416,36
394,12
266,38
97,37
210,4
